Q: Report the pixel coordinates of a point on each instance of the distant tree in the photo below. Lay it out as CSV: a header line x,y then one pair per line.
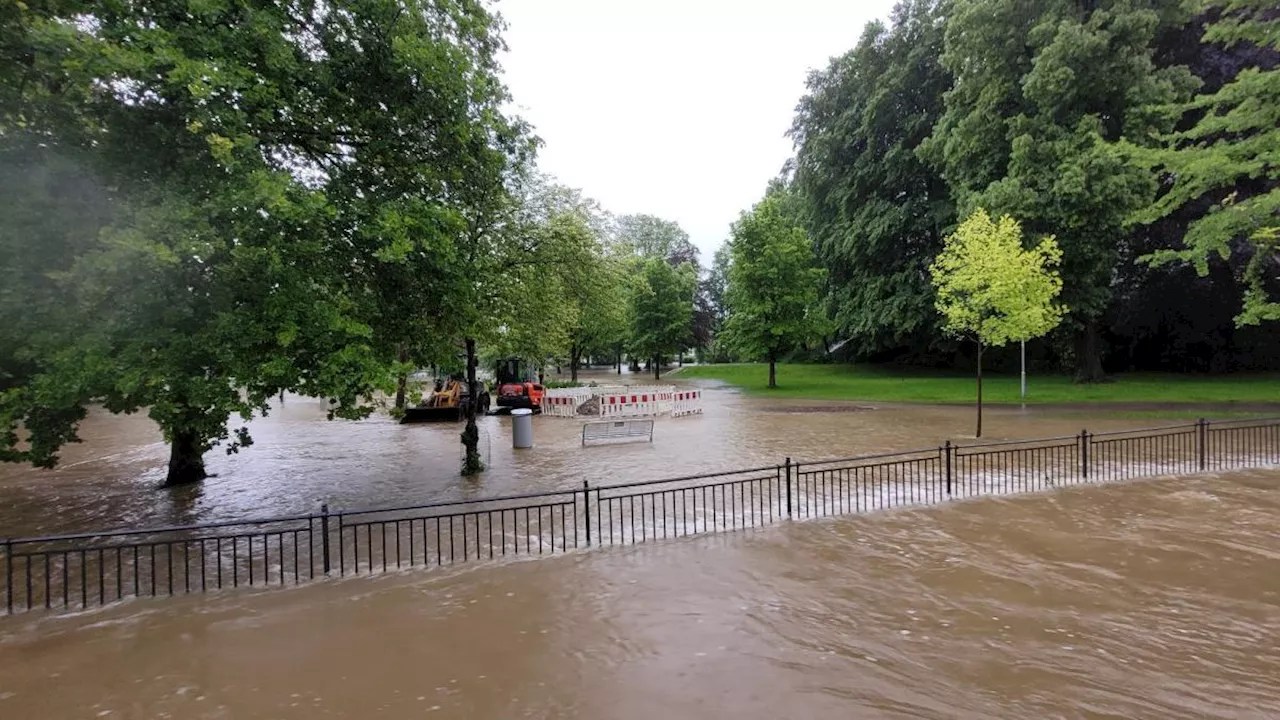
x,y
660,311
713,289
991,290
648,237
1231,155
773,284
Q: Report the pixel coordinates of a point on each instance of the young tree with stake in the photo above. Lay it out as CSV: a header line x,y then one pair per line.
x,y
992,290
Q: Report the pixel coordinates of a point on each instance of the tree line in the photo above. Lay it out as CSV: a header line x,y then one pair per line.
x,y
1142,135
205,205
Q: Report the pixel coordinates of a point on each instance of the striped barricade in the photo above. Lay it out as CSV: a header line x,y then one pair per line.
x,y
686,402
564,402
630,404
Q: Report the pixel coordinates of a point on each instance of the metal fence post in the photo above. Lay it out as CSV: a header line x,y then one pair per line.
x,y
324,534
946,451
1084,454
1202,441
8,576
788,466
586,506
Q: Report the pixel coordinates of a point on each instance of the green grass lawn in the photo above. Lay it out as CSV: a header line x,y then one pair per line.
x,y
885,384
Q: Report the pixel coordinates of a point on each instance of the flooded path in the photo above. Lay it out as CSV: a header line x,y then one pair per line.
x,y
1156,599
300,460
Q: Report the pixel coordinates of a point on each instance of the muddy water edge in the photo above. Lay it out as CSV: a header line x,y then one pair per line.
x,y
300,459
1156,599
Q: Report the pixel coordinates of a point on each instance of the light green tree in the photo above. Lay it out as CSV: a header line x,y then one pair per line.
x,y
1234,144
773,284
991,290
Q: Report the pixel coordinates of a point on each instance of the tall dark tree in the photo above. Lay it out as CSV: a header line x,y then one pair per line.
x,y
877,213
1043,92
1228,161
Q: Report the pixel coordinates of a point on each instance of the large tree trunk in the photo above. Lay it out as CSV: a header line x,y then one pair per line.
x,y
979,433
402,381
657,367
773,371
573,363
619,363
186,462
471,434
1088,354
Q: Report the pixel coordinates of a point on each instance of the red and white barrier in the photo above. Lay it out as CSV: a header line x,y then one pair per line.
x,y
560,405
630,404
686,402
623,401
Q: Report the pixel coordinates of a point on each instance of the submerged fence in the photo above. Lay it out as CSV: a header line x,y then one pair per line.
x,y
80,571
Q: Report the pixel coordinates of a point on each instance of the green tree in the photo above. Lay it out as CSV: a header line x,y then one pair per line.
x,y
875,210
1233,146
661,305
1043,92
773,284
647,236
269,170
991,290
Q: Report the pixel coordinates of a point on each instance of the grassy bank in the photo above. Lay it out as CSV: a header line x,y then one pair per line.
x,y
871,382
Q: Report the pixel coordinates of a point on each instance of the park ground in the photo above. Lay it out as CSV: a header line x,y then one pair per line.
x,y
1136,394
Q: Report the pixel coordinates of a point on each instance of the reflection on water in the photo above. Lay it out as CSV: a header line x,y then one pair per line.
x,y
300,459
1153,600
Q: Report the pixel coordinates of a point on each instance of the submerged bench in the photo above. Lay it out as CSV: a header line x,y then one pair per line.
x,y
617,430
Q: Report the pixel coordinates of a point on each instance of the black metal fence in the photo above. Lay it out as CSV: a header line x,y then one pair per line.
x,y
85,570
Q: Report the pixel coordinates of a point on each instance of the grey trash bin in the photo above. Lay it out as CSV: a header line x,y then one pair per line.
x,y
522,428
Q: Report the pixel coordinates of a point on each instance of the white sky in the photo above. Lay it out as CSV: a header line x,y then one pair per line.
x,y
676,109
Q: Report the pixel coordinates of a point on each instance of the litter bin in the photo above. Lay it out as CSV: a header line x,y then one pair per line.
x,y
522,428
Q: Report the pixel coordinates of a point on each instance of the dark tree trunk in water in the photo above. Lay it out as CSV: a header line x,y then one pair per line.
x,y
657,367
680,362
1088,354
402,382
471,434
773,371
619,363
979,433
573,364
186,462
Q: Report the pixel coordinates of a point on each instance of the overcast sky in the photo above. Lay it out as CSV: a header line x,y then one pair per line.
x,y
668,107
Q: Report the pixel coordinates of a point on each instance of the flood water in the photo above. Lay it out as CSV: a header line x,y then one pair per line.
x,y
1156,599
300,460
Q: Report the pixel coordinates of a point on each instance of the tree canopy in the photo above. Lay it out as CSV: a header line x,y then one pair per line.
x,y
991,290
875,210
1230,155
286,186
1132,131
661,310
773,284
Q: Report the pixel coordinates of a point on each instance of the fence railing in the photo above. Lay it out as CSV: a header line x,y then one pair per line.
x,y
85,570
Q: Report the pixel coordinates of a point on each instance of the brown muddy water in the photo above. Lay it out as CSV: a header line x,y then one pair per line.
x,y
300,459
1156,599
